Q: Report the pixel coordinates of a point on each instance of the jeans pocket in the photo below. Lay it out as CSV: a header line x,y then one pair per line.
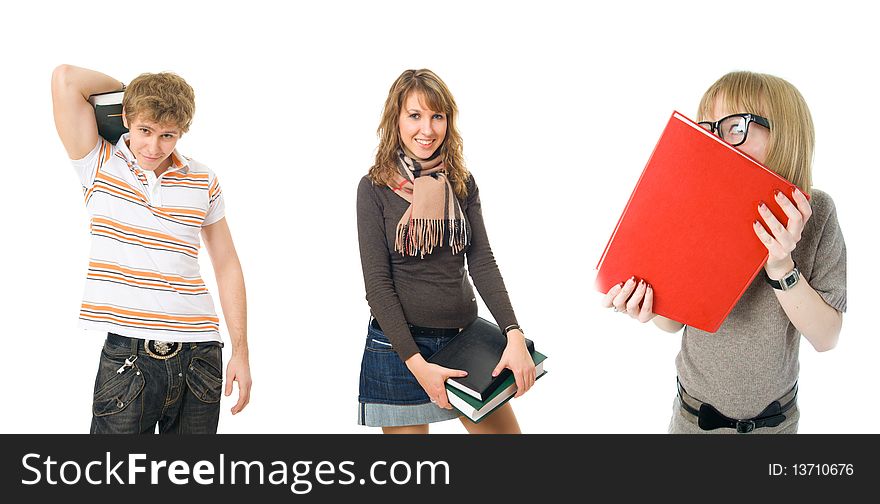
x,y
379,346
114,391
114,348
378,342
204,380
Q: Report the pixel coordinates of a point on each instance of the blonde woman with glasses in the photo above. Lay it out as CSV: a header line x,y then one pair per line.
x,y
743,378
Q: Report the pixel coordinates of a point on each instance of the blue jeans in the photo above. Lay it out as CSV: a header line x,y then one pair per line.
x,y
181,394
385,379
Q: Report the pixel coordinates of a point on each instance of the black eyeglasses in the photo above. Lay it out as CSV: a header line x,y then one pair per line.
x,y
734,129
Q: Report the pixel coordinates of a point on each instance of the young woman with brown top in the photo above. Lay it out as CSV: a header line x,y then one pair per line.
x,y
419,219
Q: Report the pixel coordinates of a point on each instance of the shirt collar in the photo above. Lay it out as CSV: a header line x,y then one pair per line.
x,y
178,161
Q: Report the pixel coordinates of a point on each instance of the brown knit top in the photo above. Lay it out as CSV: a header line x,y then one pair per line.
x,y
429,292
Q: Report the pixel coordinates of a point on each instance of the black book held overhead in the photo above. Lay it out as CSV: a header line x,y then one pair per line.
x,y
108,115
477,350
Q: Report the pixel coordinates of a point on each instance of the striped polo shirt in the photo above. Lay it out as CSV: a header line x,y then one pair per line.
x,y
143,278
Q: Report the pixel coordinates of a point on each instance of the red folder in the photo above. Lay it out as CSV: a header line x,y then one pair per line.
x,y
687,228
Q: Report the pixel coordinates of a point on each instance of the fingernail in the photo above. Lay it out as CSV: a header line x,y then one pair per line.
x,y
762,206
777,192
756,223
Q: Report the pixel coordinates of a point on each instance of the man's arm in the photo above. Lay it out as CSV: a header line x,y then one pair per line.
x,y
230,281
74,116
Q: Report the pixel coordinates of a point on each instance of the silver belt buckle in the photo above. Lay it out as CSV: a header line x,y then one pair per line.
x,y
162,349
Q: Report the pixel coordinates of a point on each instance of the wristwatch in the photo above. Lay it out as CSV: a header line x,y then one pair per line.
x,y
787,281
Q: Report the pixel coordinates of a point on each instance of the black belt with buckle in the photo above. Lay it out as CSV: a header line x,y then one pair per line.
x,y
709,418
423,331
161,350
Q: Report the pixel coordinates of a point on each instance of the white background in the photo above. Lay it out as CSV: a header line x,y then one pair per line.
x,y
561,105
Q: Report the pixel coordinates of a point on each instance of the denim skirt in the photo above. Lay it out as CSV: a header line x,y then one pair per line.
x,y
389,395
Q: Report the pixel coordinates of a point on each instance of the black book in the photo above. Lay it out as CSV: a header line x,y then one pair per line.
x,y
108,115
478,410
477,350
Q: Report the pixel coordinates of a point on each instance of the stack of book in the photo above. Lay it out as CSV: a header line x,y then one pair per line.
x,y
477,350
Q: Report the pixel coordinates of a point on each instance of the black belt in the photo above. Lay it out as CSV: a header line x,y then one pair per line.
x,y
709,418
423,331
161,350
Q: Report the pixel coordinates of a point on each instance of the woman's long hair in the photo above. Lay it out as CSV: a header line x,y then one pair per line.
x,y
436,96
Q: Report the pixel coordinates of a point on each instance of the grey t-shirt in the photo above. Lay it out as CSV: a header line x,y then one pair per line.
x,y
429,292
752,359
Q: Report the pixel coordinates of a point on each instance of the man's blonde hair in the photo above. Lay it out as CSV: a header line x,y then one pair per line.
x,y
163,98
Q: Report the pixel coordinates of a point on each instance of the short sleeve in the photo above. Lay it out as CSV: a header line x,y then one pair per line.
x,y
87,167
216,204
828,276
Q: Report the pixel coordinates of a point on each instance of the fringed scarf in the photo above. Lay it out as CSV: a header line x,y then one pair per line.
x,y
434,214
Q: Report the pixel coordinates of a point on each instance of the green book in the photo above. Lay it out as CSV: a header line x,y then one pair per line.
x,y
477,410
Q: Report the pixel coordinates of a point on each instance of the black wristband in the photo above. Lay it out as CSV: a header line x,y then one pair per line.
x,y
512,327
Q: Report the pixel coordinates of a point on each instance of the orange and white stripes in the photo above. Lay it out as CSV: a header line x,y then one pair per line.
x,y
143,278
127,317
186,180
110,185
105,271
214,192
141,237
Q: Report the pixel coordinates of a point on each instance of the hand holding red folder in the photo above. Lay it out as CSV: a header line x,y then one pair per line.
x,y
685,229
636,297
784,238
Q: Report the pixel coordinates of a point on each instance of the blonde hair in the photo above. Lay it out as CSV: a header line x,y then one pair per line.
x,y
436,96
164,98
792,138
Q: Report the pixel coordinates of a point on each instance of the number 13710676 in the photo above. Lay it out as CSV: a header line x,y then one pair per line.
x,y
810,469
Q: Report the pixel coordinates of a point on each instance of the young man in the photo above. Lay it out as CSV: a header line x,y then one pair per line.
x,y
148,206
